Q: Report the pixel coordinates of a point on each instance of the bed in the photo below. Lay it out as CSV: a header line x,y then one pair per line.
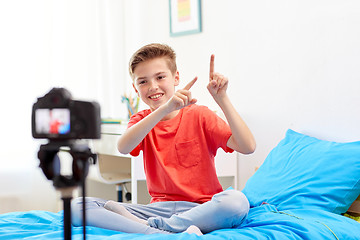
x,y
301,191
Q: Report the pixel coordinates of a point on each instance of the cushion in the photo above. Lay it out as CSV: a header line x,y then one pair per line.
x,y
305,172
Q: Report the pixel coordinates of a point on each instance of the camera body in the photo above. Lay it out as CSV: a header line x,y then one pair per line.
x,y
56,116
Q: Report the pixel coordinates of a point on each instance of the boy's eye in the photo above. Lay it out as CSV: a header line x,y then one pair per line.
x,y
142,82
161,77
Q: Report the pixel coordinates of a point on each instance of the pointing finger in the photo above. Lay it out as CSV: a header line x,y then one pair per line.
x,y
212,60
190,84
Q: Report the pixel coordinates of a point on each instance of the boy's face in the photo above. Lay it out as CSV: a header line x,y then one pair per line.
x,y
154,82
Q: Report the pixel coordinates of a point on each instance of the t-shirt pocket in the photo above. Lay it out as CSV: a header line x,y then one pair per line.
x,y
188,153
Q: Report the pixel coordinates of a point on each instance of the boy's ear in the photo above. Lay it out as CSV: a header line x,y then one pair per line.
x,y
137,92
177,78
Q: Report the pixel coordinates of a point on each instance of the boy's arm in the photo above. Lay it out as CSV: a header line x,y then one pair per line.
x,y
136,133
241,139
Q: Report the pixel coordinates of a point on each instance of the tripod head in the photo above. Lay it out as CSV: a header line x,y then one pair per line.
x,y
50,163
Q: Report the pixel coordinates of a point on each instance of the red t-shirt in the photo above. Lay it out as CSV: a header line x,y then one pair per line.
x,y
179,154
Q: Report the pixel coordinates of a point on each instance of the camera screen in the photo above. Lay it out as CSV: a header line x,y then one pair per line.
x,y
52,121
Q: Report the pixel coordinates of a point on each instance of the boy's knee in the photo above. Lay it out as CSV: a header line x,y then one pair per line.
x,y
77,208
76,211
232,201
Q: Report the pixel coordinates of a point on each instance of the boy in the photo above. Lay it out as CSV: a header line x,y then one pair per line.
x,y
179,140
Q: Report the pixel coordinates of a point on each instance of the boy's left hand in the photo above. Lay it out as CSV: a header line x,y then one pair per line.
x,y
217,83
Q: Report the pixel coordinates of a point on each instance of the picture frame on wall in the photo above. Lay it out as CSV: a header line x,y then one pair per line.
x,y
185,17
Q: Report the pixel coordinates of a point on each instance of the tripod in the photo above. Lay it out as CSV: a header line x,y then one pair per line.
x,y
50,165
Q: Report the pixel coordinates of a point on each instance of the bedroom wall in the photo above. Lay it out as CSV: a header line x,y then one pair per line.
x,y
24,70
47,44
291,64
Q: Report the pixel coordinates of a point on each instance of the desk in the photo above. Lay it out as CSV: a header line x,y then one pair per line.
x,y
115,168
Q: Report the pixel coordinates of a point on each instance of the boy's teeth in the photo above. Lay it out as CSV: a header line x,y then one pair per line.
x,y
155,96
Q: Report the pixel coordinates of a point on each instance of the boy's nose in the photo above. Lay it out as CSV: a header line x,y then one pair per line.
x,y
153,86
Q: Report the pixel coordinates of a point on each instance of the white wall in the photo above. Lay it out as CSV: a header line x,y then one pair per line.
x,y
45,44
291,64
24,68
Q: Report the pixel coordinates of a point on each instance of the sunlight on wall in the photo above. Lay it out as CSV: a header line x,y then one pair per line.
x,y
72,44
44,44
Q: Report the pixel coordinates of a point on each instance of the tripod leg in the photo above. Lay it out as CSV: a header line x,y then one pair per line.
x,y
83,206
67,218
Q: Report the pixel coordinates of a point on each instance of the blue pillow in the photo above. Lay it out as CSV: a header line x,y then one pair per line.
x,y
305,172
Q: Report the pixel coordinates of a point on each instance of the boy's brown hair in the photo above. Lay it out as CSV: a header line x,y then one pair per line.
x,y
151,51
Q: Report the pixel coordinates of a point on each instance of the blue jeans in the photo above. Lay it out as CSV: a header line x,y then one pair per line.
x,y
226,209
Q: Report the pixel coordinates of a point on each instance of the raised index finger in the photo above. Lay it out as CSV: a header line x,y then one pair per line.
x,y
190,84
212,61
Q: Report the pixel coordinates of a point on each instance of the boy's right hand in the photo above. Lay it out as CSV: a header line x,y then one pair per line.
x,y
182,97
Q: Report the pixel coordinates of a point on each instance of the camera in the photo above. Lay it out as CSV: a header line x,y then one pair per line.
x,y
56,116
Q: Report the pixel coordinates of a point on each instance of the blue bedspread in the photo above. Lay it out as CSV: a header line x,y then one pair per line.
x,y
263,222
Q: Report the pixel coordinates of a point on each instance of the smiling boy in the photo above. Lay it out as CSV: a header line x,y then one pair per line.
x,y
179,140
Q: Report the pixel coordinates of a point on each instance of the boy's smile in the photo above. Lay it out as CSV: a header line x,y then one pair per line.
x,y
156,96
154,82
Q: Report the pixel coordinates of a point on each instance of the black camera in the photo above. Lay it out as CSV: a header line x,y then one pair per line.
x,y
56,116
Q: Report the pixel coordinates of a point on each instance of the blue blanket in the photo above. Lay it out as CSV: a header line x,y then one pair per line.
x,y
263,222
